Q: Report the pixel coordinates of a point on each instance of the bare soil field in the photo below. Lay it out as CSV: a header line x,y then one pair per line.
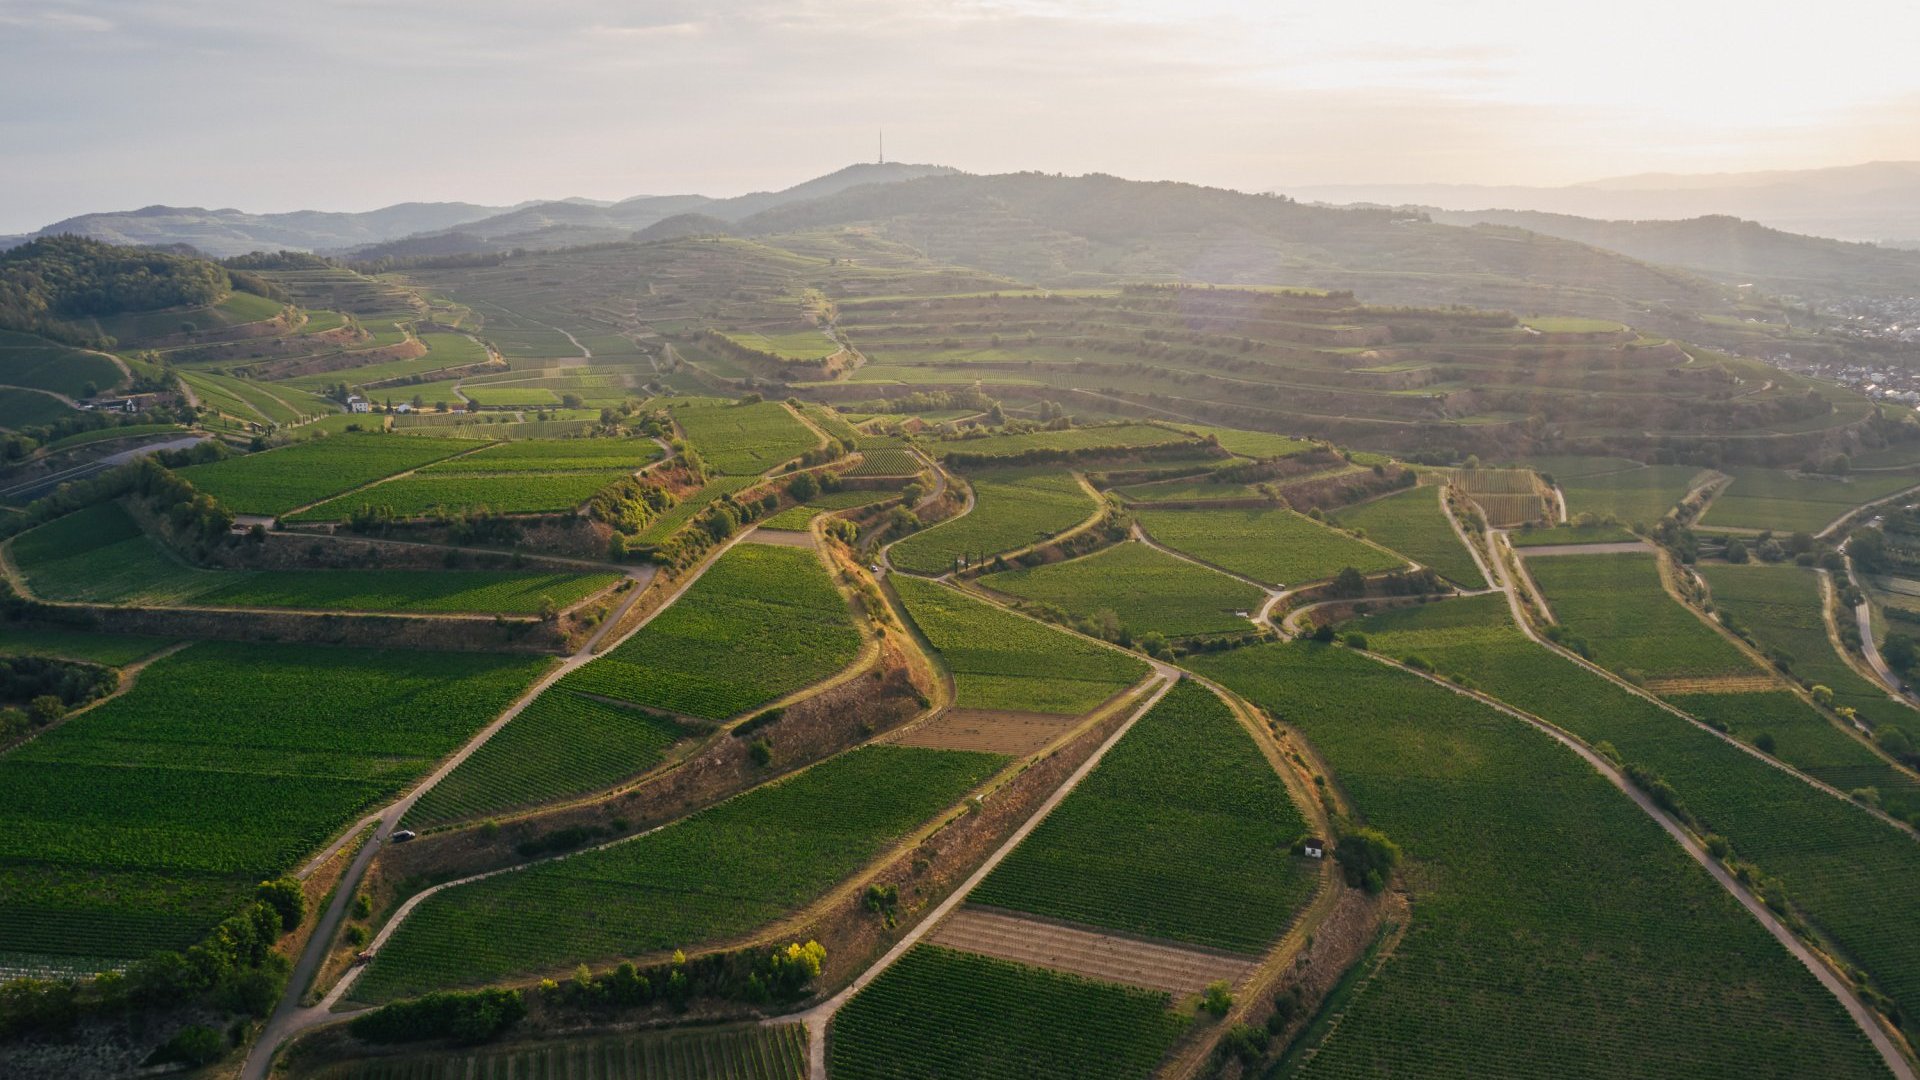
x,y
1014,733
1092,953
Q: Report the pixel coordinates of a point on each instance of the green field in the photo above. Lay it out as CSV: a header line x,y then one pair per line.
x,y
1571,534
1187,490
508,592
108,434
1794,502
562,745
1116,437
1583,918
791,345
1012,509
1634,495
761,623
1803,738
99,555
1000,660
1856,878
280,480
422,493
744,439
1148,589
752,1052
1253,444
1186,798
63,370
1780,605
720,872
1412,523
938,1013
30,408
1279,547
556,456
1616,604
113,650
142,823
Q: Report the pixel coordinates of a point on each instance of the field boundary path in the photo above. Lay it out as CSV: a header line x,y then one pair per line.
x,y
817,1018
1518,609
290,1018
1264,616
1863,618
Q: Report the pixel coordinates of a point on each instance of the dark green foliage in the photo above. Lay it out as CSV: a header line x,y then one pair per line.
x,y
939,1013
48,283
466,1017
285,896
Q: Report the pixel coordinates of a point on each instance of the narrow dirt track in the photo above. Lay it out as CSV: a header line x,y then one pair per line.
x,y
290,1018
818,1017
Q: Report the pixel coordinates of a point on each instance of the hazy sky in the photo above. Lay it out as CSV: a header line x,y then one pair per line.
x,y
353,104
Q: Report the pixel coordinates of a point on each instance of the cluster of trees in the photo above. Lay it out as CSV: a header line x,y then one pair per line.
x,y
778,975
235,969
38,691
1801,547
151,477
48,283
467,1016
1367,858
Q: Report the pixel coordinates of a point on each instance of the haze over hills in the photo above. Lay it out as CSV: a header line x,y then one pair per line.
x,y
552,225
1729,250
441,227
1875,201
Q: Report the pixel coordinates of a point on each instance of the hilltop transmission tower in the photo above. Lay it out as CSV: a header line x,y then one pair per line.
x,y
883,148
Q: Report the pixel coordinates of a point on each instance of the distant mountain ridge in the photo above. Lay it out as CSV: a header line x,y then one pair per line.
x,y
1728,249
437,227
552,225
1875,201
227,232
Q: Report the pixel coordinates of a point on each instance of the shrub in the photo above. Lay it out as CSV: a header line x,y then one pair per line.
x,y
196,1044
1218,998
1367,857
285,896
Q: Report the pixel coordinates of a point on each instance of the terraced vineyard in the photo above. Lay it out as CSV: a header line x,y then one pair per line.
x,y
1856,878
1780,605
760,623
112,650
563,744
1791,730
1118,438
941,1013
886,462
1615,603
100,555
556,456
1149,590
1796,502
39,364
756,1052
1012,509
140,825
280,480
1412,523
1186,797
421,493
744,439
1641,495
1003,661
721,872
1517,937
1279,547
